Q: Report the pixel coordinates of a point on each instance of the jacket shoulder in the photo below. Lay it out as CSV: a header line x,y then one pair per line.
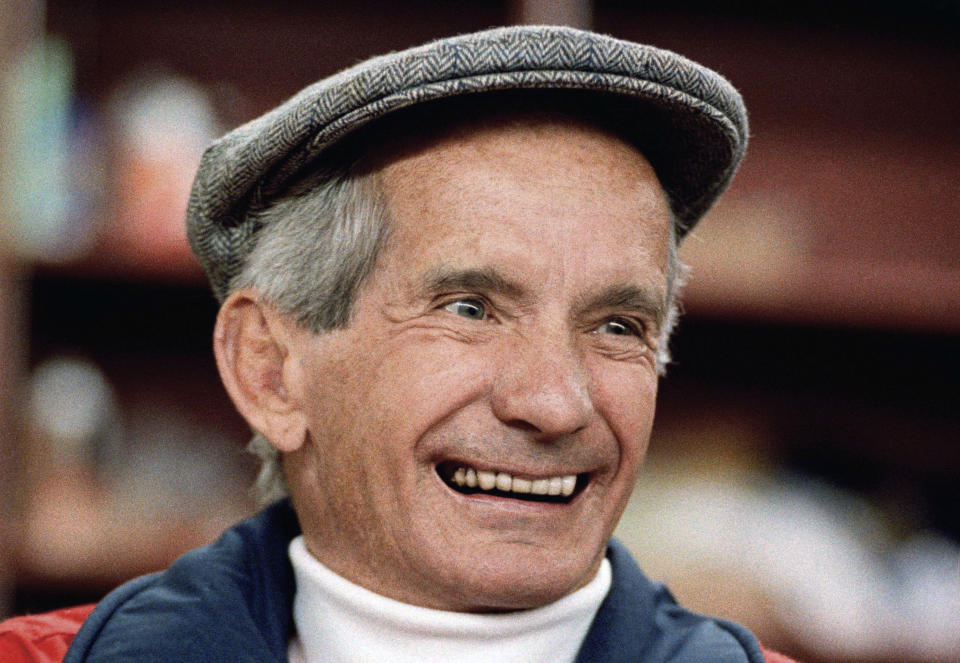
x,y
42,638
640,620
226,601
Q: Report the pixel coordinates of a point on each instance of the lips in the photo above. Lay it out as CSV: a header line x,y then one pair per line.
x,y
467,480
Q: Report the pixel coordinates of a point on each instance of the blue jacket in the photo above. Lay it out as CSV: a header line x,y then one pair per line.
x,y
230,602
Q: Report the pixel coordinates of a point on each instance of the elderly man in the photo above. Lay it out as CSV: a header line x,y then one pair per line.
x,y
447,280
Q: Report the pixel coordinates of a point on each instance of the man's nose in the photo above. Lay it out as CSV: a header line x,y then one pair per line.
x,y
543,386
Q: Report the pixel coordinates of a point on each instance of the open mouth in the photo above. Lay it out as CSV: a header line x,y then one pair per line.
x,y
469,481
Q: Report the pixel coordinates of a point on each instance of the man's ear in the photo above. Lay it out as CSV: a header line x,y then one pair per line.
x,y
250,345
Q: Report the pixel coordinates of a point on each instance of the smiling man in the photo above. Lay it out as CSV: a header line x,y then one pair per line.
x,y
469,439
447,280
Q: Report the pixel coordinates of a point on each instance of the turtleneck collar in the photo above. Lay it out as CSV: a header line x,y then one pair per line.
x,y
338,621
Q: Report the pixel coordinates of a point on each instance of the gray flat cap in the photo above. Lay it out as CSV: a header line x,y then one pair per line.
x,y
694,121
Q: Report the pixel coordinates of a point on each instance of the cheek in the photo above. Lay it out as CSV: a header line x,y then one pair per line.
x,y
416,385
626,397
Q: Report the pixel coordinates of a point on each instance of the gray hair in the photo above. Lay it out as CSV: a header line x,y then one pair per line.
x,y
318,243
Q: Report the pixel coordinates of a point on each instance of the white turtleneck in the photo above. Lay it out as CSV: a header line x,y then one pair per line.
x,y
340,622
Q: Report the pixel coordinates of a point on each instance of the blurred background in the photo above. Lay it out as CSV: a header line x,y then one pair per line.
x,y
805,469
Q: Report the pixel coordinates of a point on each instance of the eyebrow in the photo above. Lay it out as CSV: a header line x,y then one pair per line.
x,y
482,279
645,301
627,297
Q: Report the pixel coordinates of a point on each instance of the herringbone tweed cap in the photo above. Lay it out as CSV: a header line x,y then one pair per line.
x,y
694,119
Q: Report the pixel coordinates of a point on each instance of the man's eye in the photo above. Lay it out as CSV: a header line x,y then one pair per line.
x,y
467,308
618,327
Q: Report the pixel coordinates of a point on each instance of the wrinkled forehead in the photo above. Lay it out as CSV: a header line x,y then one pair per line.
x,y
533,166
515,184
554,139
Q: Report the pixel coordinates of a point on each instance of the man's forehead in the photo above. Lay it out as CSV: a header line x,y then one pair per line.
x,y
500,200
579,161
600,158
509,153
456,145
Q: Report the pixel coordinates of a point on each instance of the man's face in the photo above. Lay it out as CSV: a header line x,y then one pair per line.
x,y
508,330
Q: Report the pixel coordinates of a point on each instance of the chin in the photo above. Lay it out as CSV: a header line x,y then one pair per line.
x,y
509,586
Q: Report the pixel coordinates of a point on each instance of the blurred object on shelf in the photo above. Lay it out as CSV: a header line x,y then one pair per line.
x,y
159,124
72,415
34,174
925,572
803,564
102,186
110,494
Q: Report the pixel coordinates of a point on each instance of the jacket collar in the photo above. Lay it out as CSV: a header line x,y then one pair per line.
x,y
232,601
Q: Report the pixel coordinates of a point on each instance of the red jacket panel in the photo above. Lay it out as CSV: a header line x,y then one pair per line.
x,y
41,638
774,657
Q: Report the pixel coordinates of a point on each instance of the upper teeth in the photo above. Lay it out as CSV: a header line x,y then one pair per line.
x,y
561,485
